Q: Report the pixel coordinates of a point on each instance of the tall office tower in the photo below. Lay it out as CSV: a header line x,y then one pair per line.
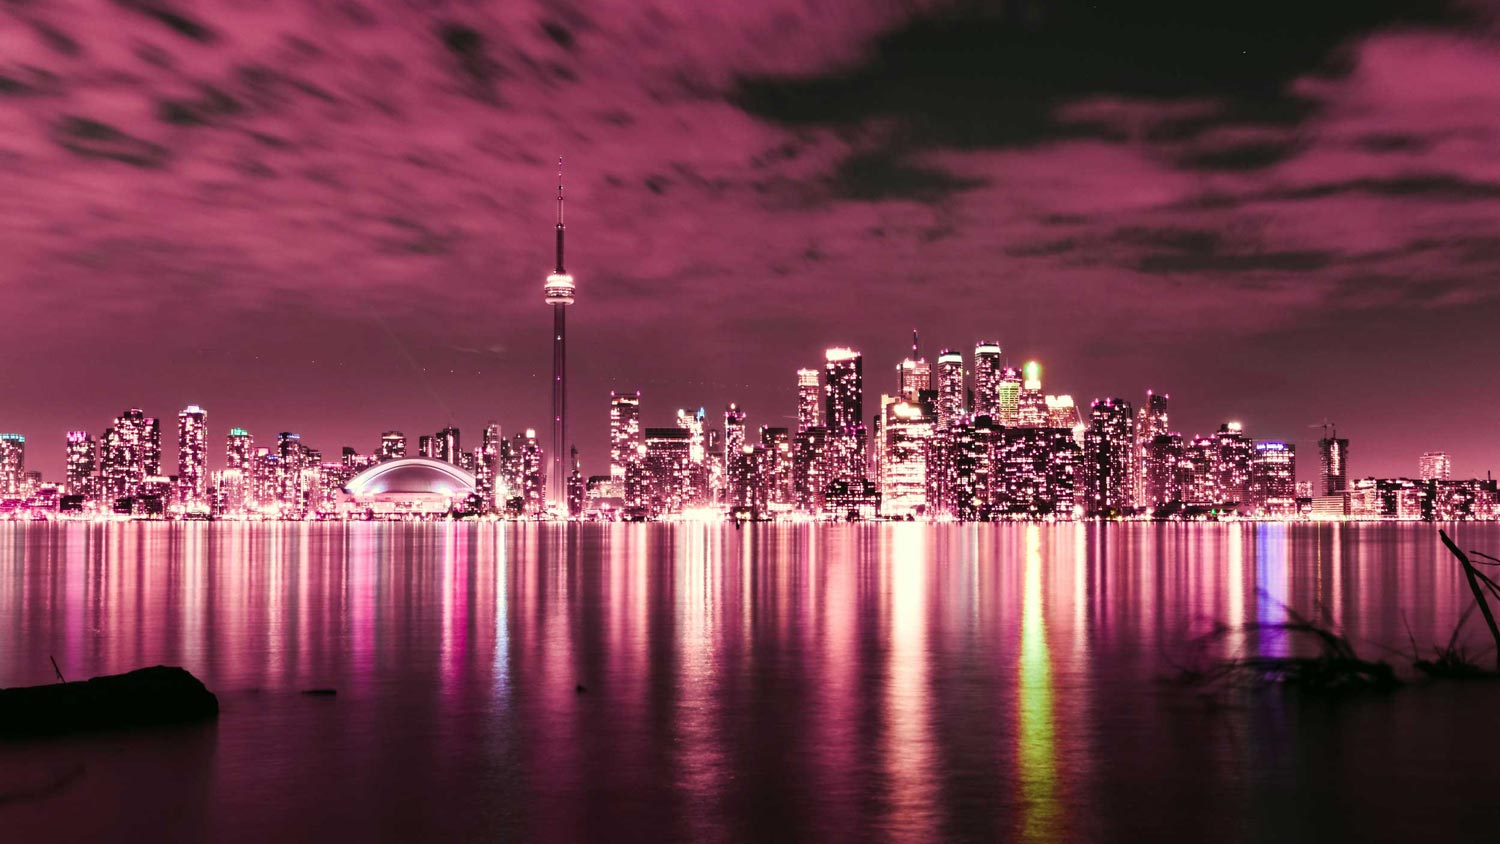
x,y
717,471
427,447
810,469
777,443
80,471
1108,448
668,469
192,457
12,465
809,400
487,467
1010,397
558,292
447,445
1333,457
905,432
576,488
130,452
1150,423
1061,412
239,471
963,491
1234,452
1032,472
624,433
987,380
950,389
1196,477
914,375
843,416
734,432
692,422
530,468
746,490
1162,468
290,478
392,446
1273,480
1436,466
1031,406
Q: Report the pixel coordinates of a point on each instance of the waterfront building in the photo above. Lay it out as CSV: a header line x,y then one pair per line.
x,y
192,459
809,400
1435,466
1233,454
950,389
1272,490
1151,422
1108,449
1162,468
1009,398
668,470
1333,460
80,466
777,467
624,433
12,465
392,446
987,380
905,434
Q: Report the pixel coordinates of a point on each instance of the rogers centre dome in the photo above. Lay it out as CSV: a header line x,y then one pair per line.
x,y
409,485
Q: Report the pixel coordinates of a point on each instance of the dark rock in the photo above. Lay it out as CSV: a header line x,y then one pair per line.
x,y
147,697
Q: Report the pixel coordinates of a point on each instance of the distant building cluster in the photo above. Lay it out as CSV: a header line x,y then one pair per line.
x,y
982,442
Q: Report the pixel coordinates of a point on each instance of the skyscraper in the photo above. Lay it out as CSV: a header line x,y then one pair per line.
x,y
447,445
1273,480
905,432
1333,459
12,464
843,415
239,470
1151,422
809,400
987,380
734,432
1436,466
130,452
624,434
392,446
1108,449
80,470
914,375
192,457
1233,455
950,389
487,468
1031,410
1010,397
558,292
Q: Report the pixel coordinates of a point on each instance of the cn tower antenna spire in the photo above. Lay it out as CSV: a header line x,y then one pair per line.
x,y
560,269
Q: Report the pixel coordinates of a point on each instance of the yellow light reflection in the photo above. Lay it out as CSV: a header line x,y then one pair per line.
x,y
1037,743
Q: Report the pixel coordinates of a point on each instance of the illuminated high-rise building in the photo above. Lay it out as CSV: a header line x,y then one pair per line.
x,y
1234,453
1333,459
1009,397
668,468
1061,412
12,465
447,445
1198,480
487,468
624,433
239,471
950,389
80,467
392,446
987,374
843,416
809,400
1162,469
905,433
692,421
1272,490
558,293
1150,423
810,469
1436,466
576,488
914,375
734,432
1033,472
777,467
130,453
529,468
1108,450
427,446
192,457
1031,406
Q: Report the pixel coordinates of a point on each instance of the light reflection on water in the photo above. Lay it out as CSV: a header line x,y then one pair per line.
x,y
692,682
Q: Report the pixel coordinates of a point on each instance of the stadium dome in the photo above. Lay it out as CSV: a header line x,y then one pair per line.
x,y
411,484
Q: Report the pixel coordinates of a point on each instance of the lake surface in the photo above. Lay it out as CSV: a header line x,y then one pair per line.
x,y
803,683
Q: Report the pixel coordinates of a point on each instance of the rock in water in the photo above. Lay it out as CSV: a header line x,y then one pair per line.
x,y
147,697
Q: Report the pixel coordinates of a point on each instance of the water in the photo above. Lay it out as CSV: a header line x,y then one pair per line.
x,y
820,683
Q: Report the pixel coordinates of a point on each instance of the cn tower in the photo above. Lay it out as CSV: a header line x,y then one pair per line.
x,y
559,294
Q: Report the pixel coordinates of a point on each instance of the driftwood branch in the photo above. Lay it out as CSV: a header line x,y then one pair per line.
x,y
1473,577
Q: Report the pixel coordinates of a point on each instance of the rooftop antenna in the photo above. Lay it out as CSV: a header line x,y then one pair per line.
x,y
914,355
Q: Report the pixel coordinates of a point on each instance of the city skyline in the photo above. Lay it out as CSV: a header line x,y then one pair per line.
x,y
1279,236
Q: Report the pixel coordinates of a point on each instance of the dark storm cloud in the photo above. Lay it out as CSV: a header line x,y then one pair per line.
x,y
881,175
94,139
171,17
